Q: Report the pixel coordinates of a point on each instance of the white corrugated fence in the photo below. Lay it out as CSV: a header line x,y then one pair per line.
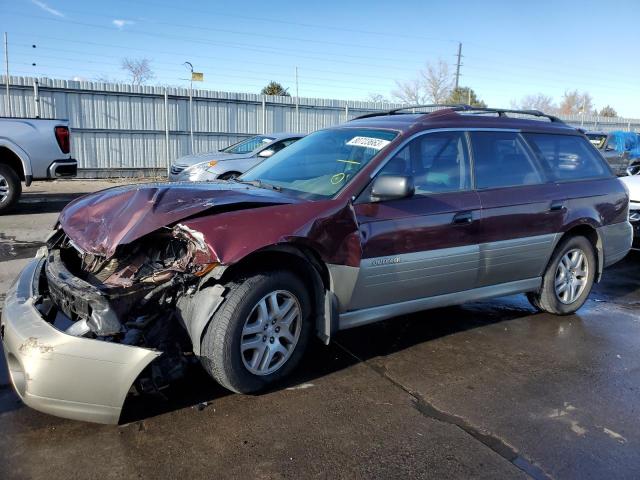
x,y
122,129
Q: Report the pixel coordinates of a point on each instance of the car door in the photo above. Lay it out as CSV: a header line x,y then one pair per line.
x,y
615,154
424,245
521,209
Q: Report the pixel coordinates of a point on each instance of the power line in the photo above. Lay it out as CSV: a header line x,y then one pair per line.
x,y
272,50
385,33
324,80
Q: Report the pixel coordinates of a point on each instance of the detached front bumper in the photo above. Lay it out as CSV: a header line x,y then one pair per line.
x,y
57,373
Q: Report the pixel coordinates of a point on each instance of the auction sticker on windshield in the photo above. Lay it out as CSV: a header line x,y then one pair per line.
x,y
368,142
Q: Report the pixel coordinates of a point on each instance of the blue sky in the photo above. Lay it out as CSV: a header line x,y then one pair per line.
x,y
343,49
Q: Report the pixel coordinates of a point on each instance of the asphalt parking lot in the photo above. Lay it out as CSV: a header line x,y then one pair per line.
x,y
488,390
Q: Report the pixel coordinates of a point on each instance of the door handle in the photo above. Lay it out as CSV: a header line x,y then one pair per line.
x,y
462,218
556,206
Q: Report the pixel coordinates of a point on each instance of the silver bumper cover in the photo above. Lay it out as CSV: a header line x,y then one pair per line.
x,y
57,373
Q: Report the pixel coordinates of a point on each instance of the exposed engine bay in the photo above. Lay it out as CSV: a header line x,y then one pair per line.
x,y
129,298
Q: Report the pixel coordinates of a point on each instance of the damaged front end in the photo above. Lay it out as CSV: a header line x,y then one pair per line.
x,y
129,298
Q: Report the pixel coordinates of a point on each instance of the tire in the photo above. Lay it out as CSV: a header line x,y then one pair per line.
x,y
239,314
229,175
10,188
564,269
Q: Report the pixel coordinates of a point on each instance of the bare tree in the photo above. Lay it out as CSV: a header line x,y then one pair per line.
x,y
432,85
574,102
377,98
409,91
104,78
138,69
537,101
437,81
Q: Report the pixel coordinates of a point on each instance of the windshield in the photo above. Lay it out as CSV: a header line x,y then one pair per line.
x,y
322,163
248,145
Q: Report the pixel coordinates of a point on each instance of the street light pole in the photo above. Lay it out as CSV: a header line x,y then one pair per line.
x,y
297,104
190,67
7,100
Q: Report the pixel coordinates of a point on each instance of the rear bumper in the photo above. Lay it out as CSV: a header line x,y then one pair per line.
x,y
63,168
60,374
616,241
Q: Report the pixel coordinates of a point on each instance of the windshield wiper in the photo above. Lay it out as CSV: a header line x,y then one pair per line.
x,y
259,184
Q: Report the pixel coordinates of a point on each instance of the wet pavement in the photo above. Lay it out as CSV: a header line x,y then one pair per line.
x,y
488,390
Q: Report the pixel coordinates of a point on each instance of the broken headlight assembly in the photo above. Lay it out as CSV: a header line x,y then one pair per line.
x,y
125,297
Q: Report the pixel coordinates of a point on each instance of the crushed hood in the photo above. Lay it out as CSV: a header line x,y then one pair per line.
x,y
97,223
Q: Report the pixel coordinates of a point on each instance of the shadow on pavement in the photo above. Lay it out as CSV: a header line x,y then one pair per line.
x,y
381,339
350,347
42,203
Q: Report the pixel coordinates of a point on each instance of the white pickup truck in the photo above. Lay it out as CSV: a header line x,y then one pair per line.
x,y
32,149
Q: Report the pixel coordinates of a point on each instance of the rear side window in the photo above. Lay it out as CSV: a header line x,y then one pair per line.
x,y
501,160
567,157
438,163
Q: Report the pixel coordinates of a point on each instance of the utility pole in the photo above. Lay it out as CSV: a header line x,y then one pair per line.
x,y
458,64
297,104
7,100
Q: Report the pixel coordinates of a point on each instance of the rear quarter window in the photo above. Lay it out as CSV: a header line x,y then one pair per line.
x,y
567,157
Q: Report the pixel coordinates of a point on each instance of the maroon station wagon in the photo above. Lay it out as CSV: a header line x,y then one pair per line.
x,y
388,214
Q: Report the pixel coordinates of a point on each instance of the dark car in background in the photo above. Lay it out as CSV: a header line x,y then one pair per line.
x,y
620,149
385,215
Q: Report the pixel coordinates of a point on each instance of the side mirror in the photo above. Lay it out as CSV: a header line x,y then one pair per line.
x,y
266,153
391,187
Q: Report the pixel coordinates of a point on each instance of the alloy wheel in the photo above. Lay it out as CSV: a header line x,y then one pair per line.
x,y
271,332
4,189
571,276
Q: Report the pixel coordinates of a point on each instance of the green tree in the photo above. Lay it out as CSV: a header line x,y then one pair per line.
x,y
608,111
465,95
274,88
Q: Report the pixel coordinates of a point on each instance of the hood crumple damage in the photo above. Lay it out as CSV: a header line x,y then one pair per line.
x,y
98,223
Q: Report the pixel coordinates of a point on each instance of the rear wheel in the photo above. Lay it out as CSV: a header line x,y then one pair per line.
x,y
260,332
10,188
568,279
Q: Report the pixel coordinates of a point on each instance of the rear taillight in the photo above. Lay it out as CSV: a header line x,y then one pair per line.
x,y
62,136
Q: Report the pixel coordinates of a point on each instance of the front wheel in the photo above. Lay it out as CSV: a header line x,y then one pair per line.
x,y
568,279
259,333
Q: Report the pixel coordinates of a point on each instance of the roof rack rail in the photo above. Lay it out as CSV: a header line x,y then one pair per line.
x,y
395,111
501,112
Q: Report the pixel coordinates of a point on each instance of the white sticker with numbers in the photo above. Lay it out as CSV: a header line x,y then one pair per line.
x,y
368,142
